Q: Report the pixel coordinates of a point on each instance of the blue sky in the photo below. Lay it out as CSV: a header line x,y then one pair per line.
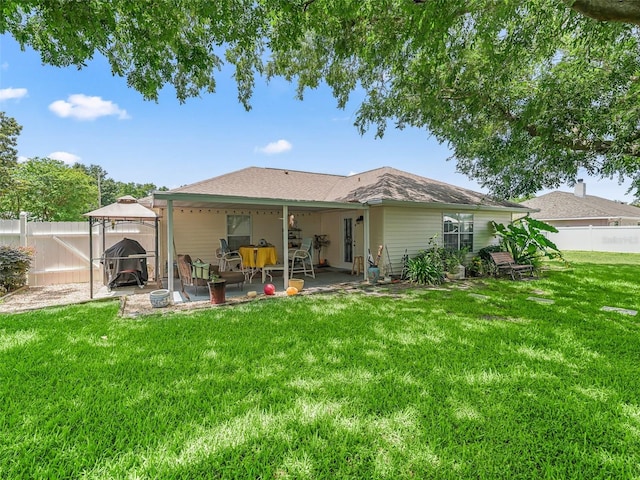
x,y
92,117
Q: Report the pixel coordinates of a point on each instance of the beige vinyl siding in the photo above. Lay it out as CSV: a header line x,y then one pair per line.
x,y
377,216
268,224
309,224
412,228
482,229
197,232
407,228
331,225
265,224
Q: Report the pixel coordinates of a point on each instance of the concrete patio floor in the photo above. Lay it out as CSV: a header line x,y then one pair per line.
x,y
326,278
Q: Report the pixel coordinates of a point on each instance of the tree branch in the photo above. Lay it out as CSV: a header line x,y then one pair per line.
x,y
624,11
575,142
307,4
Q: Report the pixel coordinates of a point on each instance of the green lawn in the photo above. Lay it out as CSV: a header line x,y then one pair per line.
x,y
433,384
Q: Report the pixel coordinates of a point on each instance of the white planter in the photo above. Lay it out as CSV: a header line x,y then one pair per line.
x,y
159,298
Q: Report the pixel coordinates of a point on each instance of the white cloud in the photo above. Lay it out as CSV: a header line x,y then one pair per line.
x,y
275,147
83,107
66,157
22,159
10,93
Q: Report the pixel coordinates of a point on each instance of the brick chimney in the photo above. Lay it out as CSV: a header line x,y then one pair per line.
x,y
581,189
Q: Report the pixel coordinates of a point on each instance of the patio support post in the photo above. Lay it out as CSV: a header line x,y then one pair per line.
x,y
157,246
285,245
367,245
170,251
91,257
103,224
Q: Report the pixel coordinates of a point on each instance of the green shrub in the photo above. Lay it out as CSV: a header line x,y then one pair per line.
x,y
525,239
14,265
485,253
427,268
478,267
481,264
452,258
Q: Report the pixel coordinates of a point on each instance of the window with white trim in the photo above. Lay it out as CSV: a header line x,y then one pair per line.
x,y
457,231
238,231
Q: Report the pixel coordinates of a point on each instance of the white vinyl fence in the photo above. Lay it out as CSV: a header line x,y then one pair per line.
x,y
623,239
62,248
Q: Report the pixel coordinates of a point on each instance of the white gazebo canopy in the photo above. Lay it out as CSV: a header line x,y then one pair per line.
x,y
126,209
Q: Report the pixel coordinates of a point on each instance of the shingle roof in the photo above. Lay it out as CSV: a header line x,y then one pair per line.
x,y
565,205
257,182
382,184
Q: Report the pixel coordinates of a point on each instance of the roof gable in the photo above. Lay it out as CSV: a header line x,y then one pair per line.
x,y
391,184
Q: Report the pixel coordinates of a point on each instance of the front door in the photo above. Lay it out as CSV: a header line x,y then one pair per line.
x,y
347,234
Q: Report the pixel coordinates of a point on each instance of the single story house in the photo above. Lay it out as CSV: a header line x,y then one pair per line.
x,y
566,209
354,214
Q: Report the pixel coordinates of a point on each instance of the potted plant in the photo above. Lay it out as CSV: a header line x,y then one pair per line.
x,y
217,289
454,263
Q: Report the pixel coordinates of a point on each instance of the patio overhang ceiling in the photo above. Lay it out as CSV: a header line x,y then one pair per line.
x,y
201,200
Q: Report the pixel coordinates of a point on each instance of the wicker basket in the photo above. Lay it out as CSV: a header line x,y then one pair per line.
x,y
297,283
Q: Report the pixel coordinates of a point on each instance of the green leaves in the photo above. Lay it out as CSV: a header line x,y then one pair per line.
x,y
9,131
525,240
49,190
14,265
526,94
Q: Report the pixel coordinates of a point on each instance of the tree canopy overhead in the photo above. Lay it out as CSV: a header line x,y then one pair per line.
x,y
525,93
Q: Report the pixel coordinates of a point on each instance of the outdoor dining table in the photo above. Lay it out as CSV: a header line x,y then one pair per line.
x,y
255,258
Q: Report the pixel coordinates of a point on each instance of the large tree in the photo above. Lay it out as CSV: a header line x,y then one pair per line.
x,y
9,132
49,190
525,93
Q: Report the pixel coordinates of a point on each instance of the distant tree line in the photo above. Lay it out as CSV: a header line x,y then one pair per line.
x,y
50,190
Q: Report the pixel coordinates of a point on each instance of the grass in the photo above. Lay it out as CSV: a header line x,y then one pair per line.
x,y
433,384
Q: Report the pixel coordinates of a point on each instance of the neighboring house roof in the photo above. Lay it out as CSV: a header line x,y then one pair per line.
x,y
384,184
568,206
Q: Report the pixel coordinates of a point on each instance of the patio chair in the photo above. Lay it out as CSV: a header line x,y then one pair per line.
x,y
192,274
227,258
505,263
301,259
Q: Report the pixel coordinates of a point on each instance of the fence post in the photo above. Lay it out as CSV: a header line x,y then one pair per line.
x,y
23,229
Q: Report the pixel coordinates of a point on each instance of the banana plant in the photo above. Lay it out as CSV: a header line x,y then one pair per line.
x,y
525,239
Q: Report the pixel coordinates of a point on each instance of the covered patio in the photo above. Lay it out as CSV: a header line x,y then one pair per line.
x,y
270,219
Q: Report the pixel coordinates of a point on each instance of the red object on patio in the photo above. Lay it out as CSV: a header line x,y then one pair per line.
x,y
269,289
